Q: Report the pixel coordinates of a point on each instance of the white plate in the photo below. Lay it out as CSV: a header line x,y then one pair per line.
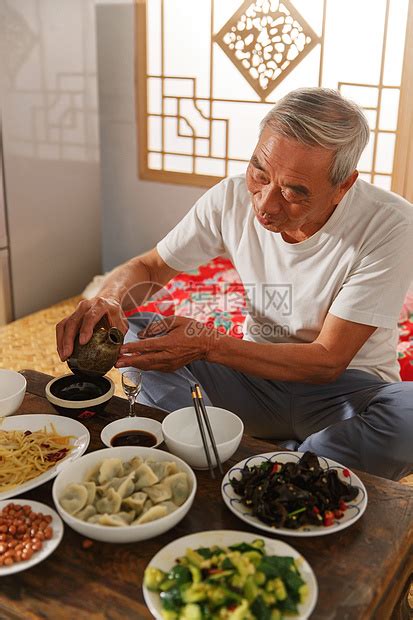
x,y
354,511
35,422
132,423
48,545
165,560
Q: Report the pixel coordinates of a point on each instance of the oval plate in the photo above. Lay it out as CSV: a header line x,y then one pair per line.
x,y
165,560
354,511
36,422
48,546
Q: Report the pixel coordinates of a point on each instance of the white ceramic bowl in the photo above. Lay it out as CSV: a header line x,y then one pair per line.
x,y
12,391
77,471
132,424
181,433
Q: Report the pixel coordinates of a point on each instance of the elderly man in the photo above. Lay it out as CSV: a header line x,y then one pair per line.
x,y
320,369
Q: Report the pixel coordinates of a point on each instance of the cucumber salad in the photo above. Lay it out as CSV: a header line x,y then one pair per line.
x,y
239,582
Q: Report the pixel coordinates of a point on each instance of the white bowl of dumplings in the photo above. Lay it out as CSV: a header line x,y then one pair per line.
x,y
124,494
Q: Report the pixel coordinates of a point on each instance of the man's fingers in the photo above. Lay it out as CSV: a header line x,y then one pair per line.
x,y
71,327
145,346
60,329
143,362
89,320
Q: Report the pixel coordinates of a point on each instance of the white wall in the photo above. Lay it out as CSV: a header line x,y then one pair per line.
x,y
136,213
50,130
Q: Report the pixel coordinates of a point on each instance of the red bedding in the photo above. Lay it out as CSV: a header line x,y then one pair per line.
x,y
214,295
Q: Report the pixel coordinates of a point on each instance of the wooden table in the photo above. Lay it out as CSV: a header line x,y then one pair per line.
x,y
362,571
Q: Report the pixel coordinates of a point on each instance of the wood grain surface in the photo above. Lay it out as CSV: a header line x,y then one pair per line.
x,y
362,571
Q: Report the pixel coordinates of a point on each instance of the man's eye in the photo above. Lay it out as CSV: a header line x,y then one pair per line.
x,y
290,196
260,176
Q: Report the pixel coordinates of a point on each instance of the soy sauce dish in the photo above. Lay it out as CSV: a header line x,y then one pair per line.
x,y
142,432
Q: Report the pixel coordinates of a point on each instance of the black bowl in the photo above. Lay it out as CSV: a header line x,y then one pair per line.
x,y
76,395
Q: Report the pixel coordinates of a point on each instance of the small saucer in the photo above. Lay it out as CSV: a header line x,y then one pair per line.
x,y
132,424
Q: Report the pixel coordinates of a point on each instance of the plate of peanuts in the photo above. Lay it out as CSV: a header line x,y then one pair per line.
x,y
29,533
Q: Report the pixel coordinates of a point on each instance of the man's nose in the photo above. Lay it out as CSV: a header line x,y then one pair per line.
x,y
269,200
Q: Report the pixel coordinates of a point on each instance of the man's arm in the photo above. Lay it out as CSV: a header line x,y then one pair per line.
x,y
128,286
321,361
186,340
139,278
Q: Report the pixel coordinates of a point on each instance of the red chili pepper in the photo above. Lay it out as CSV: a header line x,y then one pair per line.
x,y
56,456
215,571
342,505
346,473
316,510
276,468
328,518
232,606
338,514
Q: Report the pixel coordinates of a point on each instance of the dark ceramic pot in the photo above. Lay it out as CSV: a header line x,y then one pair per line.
x,y
79,396
99,354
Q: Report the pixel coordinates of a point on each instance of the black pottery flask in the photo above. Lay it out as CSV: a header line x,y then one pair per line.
x,y
96,357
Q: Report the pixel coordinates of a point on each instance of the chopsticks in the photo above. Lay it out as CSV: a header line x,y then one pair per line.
x,y
202,417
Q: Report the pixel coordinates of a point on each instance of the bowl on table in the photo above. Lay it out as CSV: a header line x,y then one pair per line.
x,y
12,391
77,472
133,431
72,394
183,438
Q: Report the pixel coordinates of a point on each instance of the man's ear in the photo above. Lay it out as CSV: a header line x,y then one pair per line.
x,y
345,186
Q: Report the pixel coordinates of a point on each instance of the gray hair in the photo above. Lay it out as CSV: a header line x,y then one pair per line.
x,y
322,117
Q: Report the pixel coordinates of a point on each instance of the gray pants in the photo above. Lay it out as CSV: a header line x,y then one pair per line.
x,y
358,420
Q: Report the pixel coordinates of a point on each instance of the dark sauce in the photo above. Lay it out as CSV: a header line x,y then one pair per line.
x,y
134,438
77,388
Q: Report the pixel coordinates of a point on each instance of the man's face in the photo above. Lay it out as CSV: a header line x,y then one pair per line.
x,y
289,185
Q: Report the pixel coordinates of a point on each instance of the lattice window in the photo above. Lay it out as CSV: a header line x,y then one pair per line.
x,y
209,70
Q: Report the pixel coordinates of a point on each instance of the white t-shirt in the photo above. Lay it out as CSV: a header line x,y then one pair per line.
x,y
357,266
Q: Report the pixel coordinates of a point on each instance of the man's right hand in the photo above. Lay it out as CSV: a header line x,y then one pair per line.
x,y
84,319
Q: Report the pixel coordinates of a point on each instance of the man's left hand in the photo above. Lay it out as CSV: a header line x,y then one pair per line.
x,y
168,344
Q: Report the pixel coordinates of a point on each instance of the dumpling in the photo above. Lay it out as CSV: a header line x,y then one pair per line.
x,y
119,520
93,474
163,468
148,504
179,485
170,507
114,483
110,468
156,512
74,498
145,477
158,492
94,518
127,516
91,492
127,486
132,465
135,502
86,513
113,520
110,503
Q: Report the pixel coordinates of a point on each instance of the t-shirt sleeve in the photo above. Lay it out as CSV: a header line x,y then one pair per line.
x,y
197,238
374,290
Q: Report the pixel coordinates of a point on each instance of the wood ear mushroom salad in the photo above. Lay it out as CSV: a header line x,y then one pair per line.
x,y
293,494
22,533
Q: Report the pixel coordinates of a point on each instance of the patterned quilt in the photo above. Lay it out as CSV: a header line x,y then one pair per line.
x,y
215,295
